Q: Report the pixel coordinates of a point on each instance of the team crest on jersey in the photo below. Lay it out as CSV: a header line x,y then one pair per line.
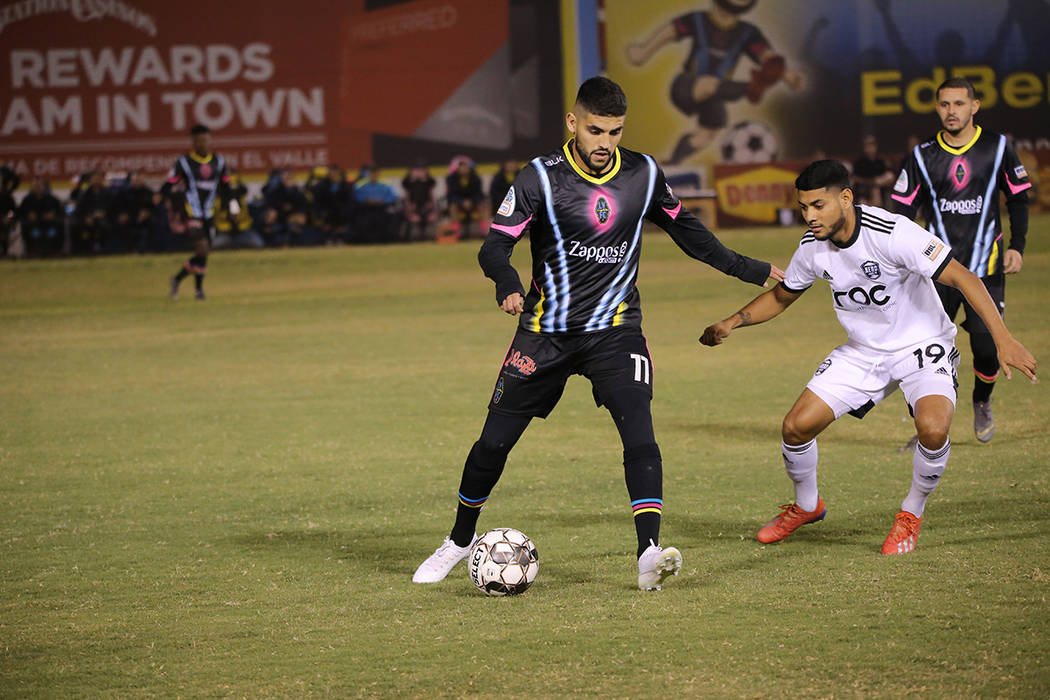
x,y
602,210
959,172
871,269
823,366
902,182
507,208
205,171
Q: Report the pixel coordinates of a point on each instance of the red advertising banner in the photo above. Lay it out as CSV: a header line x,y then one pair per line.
x,y
116,84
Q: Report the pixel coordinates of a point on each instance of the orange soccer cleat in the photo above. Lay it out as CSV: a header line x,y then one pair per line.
x,y
902,537
790,519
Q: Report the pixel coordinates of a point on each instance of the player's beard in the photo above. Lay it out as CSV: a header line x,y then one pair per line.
x,y
586,158
828,232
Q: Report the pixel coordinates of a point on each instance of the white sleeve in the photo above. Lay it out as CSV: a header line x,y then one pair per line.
x,y
799,273
916,249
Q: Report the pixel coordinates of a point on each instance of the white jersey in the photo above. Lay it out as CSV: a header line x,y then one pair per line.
x,y
881,280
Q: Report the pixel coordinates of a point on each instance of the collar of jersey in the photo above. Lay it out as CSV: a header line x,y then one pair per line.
x,y
591,178
194,156
856,231
961,149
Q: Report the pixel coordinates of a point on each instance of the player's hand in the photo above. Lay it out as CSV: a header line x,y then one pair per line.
x,y
716,333
1012,262
513,304
775,274
1013,353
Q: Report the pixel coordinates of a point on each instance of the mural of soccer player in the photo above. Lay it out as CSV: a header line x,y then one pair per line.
x,y
719,38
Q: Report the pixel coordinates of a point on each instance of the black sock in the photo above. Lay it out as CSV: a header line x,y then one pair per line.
x,y
181,275
643,472
480,474
198,282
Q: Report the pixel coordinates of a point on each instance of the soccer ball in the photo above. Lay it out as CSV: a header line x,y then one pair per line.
x,y
749,142
503,562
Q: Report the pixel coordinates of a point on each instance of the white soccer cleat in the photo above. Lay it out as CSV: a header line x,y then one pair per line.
x,y
442,561
657,564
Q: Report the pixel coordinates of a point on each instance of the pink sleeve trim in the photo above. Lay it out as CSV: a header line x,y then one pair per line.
x,y
513,231
906,200
673,213
1014,189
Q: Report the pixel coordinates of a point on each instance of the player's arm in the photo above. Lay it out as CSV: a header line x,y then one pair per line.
x,y
509,223
762,308
639,52
175,176
1010,350
696,241
907,191
1014,182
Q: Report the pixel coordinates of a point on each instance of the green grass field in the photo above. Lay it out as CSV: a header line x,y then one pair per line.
x,y
229,498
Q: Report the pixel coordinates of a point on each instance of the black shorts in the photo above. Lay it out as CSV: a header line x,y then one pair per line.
x,y
537,366
952,299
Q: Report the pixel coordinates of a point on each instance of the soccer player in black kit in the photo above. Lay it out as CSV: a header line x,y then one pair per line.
x,y
584,206
954,180
205,178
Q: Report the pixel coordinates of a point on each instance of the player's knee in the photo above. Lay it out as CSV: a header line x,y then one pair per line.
x,y
642,455
932,431
794,431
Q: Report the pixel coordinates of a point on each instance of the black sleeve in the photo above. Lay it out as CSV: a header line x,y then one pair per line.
x,y
494,258
1017,209
667,212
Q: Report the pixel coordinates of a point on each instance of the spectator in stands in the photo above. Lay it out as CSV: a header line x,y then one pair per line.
x,y
133,208
871,174
464,195
233,221
331,203
40,214
8,184
285,210
501,183
420,207
375,201
92,224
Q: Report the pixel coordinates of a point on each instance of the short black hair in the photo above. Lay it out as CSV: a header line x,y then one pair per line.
x,y
602,97
823,173
199,129
958,83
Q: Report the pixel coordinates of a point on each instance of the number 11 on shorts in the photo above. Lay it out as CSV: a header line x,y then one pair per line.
x,y
641,368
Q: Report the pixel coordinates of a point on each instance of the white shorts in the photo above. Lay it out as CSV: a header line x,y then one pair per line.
x,y
852,380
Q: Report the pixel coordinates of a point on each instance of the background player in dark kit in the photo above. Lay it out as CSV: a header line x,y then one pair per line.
x,y
584,206
953,180
204,176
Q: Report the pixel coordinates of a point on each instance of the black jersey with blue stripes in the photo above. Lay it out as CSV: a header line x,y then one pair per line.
x,y
956,191
586,236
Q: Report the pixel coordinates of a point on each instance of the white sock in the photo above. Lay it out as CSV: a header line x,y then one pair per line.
x,y
800,461
927,467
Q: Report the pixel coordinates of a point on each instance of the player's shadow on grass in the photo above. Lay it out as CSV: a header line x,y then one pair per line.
x,y
370,548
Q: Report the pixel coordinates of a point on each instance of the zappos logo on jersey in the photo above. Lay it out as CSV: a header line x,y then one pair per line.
x,y
598,253
507,208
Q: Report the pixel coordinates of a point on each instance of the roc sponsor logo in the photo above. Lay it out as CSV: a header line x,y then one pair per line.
x,y
962,206
871,269
862,297
523,363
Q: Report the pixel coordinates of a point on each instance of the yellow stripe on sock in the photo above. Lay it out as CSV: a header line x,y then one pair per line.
x,y
647,510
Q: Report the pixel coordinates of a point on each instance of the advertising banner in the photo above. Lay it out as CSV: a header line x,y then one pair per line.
x,y
117,84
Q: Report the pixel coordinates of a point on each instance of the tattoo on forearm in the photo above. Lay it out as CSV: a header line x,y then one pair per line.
x,y
745,317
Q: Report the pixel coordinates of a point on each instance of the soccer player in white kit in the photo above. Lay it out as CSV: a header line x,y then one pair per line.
x,y
881,268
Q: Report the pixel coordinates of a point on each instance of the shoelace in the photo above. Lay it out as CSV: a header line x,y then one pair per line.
x,y
902,529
